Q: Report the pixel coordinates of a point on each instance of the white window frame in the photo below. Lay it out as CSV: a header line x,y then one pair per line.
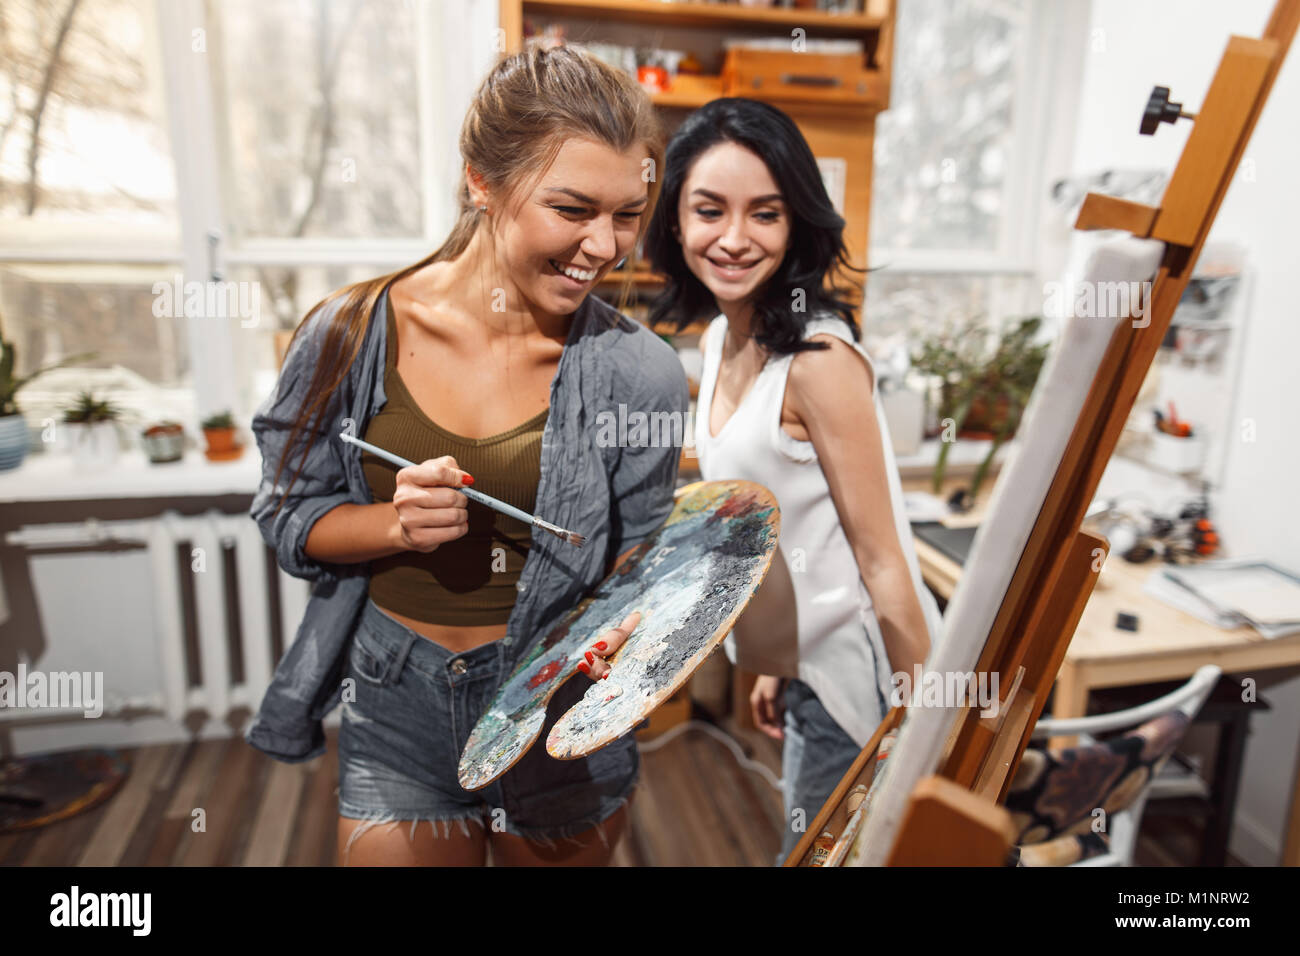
x,y
201,251
448,75
1025,187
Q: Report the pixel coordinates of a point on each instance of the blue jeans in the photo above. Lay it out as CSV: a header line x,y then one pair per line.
x,y
815,757
401,739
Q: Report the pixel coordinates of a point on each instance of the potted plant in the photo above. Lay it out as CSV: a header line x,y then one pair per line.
x,y
91,426
219,433
952,357
163,442
984,395
14,438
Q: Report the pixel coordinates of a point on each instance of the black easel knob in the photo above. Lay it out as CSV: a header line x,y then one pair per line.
x,y
1160,110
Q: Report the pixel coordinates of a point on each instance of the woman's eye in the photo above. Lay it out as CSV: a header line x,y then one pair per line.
x,y
580,211
769,216
707,213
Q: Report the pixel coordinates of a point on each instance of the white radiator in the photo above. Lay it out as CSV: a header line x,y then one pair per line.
x,y
217,693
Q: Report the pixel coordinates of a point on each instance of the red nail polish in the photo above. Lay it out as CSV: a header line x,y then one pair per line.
x,y
604,675
582,666
467,480
590,659
600,645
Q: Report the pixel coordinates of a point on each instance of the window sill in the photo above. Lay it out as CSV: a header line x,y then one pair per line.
x,y
52,477
963,459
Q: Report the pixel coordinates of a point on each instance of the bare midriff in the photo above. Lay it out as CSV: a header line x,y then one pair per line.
x,y
453,637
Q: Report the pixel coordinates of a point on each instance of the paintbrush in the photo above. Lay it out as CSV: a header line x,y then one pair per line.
x,y
858,803
572,537
855,807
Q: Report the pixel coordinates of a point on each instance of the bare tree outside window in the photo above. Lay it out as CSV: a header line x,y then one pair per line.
x,y
317,122
321,120
941,150
942,157
84,156
81,132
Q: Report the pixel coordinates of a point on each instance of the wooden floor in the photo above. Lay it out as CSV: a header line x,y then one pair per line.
x,y
695,806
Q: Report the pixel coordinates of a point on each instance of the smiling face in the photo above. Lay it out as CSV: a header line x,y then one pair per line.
x,y
575,225
733,224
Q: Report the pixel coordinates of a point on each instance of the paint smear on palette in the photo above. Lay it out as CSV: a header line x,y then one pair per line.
x,y
690,580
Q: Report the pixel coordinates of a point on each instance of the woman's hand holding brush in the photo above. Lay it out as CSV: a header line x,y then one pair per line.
x,y
430,509
572,537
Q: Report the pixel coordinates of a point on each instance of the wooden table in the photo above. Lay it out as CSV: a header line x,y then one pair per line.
x,y
1168,645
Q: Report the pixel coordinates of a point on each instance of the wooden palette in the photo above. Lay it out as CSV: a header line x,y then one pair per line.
x,y
690,580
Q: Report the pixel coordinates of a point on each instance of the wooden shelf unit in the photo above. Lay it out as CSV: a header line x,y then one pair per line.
x,y
659,13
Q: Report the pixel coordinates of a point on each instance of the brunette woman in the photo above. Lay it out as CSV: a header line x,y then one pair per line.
x,y
748,237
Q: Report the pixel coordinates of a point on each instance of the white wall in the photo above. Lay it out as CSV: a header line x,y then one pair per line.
x,y
1132,46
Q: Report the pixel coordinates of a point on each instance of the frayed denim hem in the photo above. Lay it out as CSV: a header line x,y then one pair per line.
x,y
374,818
549,837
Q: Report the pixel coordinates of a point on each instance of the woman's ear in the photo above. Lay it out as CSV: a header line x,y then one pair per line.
x,y
477,192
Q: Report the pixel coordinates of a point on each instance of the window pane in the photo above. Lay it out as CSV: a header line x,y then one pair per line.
x,y
922,304
320,117
942,147
54,312
83,76
284,295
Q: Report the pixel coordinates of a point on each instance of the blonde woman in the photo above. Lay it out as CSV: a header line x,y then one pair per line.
x,y
487,363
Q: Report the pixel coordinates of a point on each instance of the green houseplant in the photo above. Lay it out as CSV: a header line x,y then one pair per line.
x,y
219,433
13,427
983,391
88,410
91,424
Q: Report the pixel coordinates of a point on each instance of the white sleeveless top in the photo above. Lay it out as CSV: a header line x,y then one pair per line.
x,y
812,618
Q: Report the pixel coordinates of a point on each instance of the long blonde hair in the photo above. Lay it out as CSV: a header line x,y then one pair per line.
x,y
522,113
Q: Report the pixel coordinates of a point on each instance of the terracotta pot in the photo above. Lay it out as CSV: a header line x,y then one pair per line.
x,y
221,444
980,423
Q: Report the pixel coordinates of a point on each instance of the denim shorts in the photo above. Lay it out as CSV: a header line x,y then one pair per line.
x,y
401,740
815,756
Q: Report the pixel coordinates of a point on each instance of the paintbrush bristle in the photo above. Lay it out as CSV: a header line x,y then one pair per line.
x,y
572,537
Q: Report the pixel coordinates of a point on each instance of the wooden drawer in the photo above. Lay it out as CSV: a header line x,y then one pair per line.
x,y
782,76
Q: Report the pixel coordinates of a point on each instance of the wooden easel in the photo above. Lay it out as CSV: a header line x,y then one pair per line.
x,y
954,817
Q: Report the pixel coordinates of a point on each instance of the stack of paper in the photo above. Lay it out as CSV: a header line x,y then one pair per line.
x,y
1233,592
922,506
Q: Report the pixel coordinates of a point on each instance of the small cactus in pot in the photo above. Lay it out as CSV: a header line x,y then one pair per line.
x,y
219,432
163,442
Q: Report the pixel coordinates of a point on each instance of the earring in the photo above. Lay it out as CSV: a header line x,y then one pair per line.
x,y
482,208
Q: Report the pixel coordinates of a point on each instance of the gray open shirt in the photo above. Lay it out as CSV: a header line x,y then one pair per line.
x,y
614,491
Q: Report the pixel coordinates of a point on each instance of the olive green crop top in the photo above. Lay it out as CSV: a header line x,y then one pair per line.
x,y
471,580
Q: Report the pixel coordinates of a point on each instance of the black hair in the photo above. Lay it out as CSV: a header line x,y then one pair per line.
x,y
816,245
